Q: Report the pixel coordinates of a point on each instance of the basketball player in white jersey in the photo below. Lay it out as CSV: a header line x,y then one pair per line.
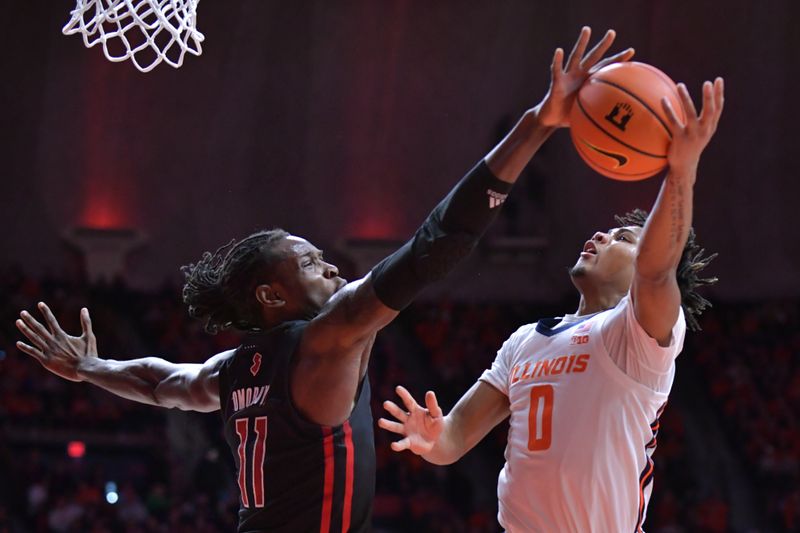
x,y
584,391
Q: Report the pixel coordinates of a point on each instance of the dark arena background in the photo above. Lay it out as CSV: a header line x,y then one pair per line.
x,y
345,122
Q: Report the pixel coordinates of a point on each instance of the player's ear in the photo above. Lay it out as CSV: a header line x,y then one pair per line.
x,y
268,296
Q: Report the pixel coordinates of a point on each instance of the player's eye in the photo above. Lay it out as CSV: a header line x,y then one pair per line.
x,y
622,237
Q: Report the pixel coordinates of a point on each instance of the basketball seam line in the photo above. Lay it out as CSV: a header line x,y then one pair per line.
x,y
623,143
626,91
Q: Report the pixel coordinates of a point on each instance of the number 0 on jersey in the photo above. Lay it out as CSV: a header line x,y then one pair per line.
x,y
540,418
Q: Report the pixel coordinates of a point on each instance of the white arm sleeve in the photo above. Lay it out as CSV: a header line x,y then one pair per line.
x,y
498,375
638,354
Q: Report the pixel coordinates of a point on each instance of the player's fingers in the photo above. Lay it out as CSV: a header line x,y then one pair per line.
x,y
394,427
686,102
30,350
86,323
579,48
621,57
719,97
557,66
50,319
32,336
34,325
672,117
401,445
395,411
709,110
599,50
88,333
408,400
432,405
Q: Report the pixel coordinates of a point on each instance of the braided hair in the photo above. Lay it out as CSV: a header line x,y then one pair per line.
x,y
691,263
219,288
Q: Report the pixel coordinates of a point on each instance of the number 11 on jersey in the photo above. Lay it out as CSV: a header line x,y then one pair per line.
x,y
255,459
540,418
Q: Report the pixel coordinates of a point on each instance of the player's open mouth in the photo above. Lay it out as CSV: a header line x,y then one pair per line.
x,y
589,248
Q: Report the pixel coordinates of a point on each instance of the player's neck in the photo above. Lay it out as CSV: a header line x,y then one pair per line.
x,y
596,301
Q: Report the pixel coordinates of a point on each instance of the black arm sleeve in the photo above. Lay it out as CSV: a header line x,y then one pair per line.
x,y
448,235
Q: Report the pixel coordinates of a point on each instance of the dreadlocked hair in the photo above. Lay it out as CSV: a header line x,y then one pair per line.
x,y
691,263
219,288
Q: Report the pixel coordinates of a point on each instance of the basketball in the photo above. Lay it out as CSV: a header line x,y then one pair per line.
x,y
618,124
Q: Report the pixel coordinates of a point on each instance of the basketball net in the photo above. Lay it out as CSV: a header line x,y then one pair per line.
x,y
145,31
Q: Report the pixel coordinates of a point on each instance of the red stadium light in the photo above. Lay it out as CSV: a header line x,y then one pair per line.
x,y
76,449
99,214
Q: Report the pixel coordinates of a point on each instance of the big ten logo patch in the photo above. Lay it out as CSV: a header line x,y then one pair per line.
x,y
579,339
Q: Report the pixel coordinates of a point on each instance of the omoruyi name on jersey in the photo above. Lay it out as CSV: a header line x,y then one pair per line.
x,y
248,396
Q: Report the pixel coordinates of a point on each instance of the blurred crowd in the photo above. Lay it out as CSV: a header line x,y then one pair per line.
x,y
147,469
749,357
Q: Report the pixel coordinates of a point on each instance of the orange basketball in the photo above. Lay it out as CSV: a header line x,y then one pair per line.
x,y
618,123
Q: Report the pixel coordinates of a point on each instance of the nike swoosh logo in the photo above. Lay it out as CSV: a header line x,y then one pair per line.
x,y
621,159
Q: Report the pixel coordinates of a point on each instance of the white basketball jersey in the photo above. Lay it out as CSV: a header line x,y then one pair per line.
x,y
583,430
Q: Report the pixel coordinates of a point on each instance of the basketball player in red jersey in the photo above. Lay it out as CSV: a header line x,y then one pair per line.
x,y
584,391
293,396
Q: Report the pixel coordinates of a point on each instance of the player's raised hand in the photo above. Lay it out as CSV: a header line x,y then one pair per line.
x,y
566,80
58,352
420,427
689,139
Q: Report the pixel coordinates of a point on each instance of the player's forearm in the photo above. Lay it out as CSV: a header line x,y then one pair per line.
x,y
514,152
667,227
136,379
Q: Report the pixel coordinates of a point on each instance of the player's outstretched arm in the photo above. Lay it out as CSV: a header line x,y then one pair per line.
x,y
334,350
149,380
456,224
443,440
655,291
454,227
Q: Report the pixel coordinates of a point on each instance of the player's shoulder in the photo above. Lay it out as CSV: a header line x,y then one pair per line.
x,y
272,339
524,331
222,358
275,344
625,308
230,361
522,334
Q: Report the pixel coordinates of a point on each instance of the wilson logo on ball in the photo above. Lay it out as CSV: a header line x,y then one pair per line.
x,y
620,115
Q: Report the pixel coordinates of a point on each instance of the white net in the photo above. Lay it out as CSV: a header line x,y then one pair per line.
x,y
145,31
